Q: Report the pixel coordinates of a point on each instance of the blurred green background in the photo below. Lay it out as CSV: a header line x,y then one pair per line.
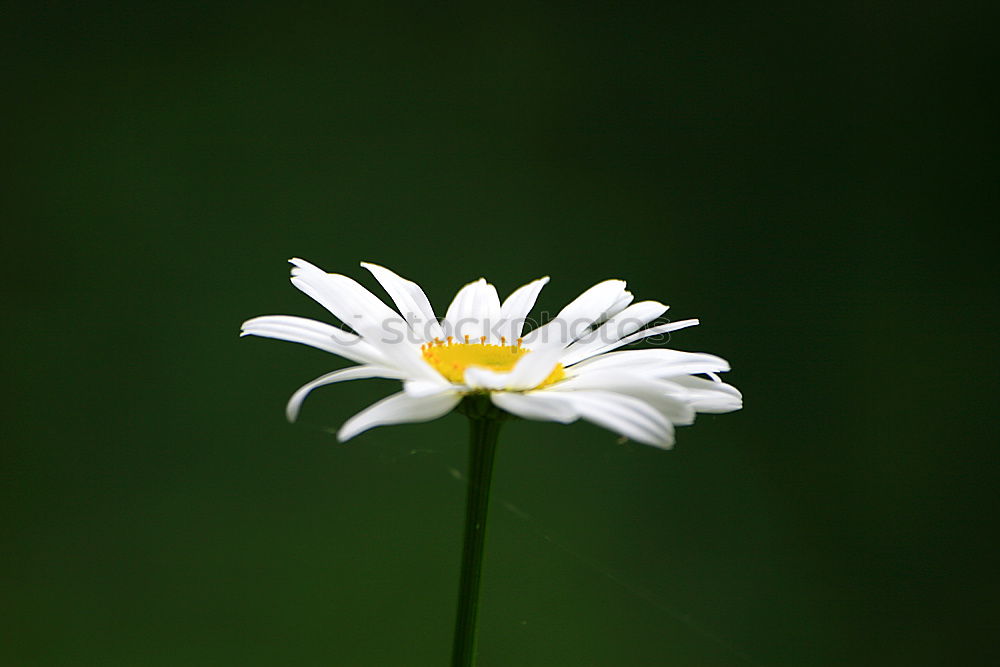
x,y
812,180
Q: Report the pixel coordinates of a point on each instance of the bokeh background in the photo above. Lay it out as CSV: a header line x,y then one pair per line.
x,y
813,180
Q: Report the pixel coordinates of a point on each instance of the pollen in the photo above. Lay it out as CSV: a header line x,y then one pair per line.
x,y
450,358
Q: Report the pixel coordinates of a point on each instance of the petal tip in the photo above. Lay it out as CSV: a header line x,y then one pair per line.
x,y
345,433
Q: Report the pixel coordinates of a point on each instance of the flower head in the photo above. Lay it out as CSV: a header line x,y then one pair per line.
x,y
567,369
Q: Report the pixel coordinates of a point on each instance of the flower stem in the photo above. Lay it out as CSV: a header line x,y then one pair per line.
x,y
483,431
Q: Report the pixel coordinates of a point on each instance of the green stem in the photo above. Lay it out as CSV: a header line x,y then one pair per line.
x,y
484,429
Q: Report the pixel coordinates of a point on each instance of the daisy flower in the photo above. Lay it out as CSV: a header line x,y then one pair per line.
x,y
570,368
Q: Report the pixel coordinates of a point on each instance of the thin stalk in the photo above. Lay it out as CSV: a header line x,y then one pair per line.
x,y
483,434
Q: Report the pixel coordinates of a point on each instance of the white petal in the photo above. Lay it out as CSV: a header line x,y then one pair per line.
x,y
669,398
484,378
640,335
657,362
379,325
491,314
354,305
352,373
618,306
620,325
625,415
462,307
533,368
574,320
530,371
410,300
539,405
709,396
315,334
398,409
421,388
516,307
715,384
473,311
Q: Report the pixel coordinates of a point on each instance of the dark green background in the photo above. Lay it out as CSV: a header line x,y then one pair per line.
x,y
812,181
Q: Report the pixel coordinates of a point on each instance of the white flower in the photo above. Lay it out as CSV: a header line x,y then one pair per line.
x,y
562,371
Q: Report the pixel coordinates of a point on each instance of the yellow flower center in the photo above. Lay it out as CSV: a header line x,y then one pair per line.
x,y
450,358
